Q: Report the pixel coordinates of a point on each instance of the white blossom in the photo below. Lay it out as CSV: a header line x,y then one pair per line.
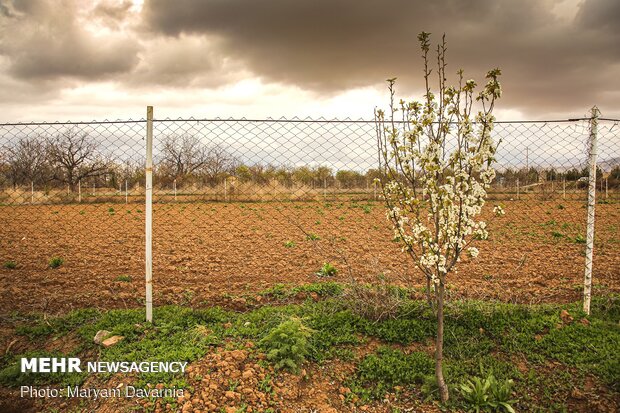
x,y
473,252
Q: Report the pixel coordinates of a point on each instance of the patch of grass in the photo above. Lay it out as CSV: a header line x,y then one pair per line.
x,y
380,372
55,262
123,278
289,244
312,237
58,326
323,289
9,265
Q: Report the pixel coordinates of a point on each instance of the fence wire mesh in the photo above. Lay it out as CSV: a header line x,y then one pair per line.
x,y
242,205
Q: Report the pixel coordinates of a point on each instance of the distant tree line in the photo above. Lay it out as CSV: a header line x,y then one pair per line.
x,y
72,157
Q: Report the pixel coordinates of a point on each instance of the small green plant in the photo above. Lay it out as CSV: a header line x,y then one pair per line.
x,y
487,395
367,209
580,239
55,262
123,278
327,270
312,237
557,234
10,265
289,244
287,345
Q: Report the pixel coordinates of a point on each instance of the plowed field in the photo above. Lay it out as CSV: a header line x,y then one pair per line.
x,y
203,252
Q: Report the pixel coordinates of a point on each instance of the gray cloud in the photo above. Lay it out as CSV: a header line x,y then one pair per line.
x,y
46,40
551,62
183,62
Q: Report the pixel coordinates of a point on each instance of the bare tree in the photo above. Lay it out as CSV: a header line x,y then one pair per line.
x,y
74,156
26,162
183,155
219,163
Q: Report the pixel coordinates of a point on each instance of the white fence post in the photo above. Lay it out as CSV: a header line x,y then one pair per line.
x,y
32,192
587,284
174,184
126,193
564,188
149,214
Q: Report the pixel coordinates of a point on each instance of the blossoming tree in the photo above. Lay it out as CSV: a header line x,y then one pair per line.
x,y
436,157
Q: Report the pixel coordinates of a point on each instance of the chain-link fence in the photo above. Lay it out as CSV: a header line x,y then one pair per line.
x,y
241,205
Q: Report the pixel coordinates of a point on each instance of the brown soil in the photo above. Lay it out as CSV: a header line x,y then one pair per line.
x,y
204,251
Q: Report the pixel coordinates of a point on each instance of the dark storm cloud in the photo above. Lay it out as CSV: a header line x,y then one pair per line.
x,y
553,60
45,41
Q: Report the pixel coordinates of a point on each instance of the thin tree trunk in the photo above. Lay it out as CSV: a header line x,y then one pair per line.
x,y
443,388
428,294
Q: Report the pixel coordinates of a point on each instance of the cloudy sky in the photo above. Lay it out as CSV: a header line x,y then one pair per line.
x,y
108,59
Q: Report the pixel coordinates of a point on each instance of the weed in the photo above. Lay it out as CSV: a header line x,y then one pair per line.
x,y
327,270
312,237
123,278
580,239
289,244
288,344
487,395
55,262
10,265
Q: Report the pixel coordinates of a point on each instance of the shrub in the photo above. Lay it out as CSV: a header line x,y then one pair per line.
x,y
55,262
288,344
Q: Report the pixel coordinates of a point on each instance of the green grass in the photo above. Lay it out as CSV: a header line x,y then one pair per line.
x,y
479,337
9,265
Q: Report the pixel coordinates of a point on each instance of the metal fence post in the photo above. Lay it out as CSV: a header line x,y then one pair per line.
x,y
149,214
587,285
